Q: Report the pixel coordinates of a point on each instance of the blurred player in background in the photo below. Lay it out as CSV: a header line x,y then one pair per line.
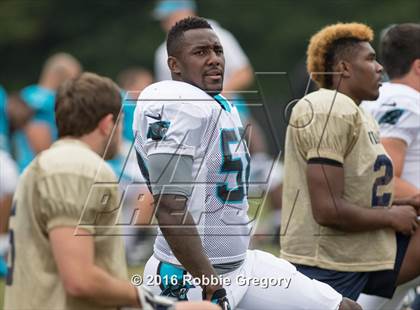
x,y
54,264
37,133
339,220
190,149
138,204
239,75
397,110
8,180
132,81
4,122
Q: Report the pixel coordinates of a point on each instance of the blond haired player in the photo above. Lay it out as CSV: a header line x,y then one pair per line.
x,y
53,265
339,224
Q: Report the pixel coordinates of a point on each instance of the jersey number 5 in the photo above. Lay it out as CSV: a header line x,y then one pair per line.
x,y
233,165
384,199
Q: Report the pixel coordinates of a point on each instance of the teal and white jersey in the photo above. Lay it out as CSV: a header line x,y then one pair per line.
x,y
397,111
174,117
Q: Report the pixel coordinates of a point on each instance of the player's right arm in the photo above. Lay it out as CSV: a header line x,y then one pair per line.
x,y
173,135
78,265
174,219
326,187
74,256
176,222
324,144
397,149
180,231
64,197
399,128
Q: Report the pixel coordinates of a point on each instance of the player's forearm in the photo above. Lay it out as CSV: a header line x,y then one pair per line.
x,y
349,217
183,240
412,200
403,188
104,289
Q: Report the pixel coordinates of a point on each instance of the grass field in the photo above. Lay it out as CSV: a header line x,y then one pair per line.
x,y
1,293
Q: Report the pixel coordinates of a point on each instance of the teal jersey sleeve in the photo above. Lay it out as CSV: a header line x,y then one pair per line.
x,y
41,100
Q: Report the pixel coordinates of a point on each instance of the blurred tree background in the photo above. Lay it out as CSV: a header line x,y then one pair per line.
x,y
110,35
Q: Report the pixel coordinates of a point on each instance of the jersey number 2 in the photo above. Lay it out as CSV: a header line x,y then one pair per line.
x,y
384,199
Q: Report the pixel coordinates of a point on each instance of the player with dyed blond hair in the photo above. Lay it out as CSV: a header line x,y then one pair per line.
x,y
341,224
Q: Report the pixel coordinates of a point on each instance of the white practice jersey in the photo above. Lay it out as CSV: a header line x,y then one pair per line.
x,y
174,117
8,174
397,111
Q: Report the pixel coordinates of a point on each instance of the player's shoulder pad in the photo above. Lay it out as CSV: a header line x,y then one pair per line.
x,y
73,157
167,100
325,101
171,91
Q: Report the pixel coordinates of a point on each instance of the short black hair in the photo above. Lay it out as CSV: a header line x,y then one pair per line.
x,y
177,31
399,49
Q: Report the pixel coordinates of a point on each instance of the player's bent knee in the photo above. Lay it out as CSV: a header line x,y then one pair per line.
x,y
348,304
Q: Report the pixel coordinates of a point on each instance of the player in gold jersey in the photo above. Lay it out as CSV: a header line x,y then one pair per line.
x,y
53,264
339,222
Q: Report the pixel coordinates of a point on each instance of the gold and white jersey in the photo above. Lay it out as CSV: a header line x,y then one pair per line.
x,y
329,125
54,191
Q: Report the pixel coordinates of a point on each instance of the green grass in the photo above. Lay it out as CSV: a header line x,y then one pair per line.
x,y
1,293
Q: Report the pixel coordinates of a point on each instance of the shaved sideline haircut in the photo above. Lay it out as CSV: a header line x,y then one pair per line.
x,y
174,40
332,44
